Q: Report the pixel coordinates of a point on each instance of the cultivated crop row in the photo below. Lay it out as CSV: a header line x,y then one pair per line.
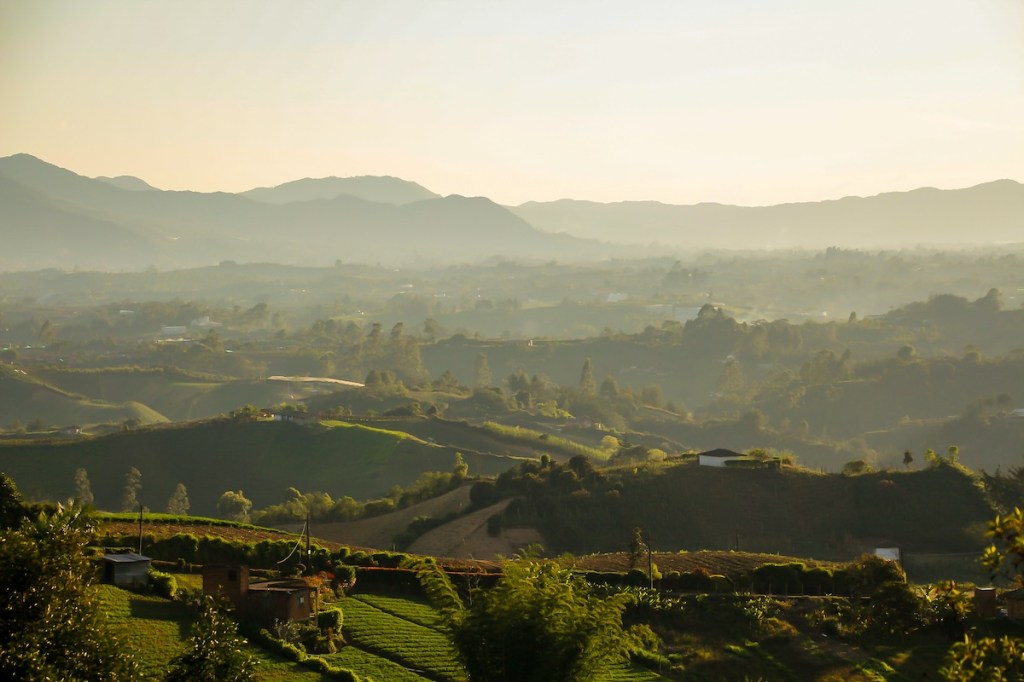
x,y
419,613
372,666
413,646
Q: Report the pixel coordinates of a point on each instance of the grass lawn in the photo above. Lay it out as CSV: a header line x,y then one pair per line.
x,y
155,629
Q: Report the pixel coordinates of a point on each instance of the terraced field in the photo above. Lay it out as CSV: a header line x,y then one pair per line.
x,y
416,647
409,609
391,638
405,633
372,666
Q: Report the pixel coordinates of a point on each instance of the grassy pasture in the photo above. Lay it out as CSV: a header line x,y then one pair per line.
x,y
25,397
261,458
176,394
155,630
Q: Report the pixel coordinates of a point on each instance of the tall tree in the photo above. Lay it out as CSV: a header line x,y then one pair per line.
x,y
587,384
431,329
51,626
215,651
234,505
637,548
83,490
132,486
12,507
461,469
482,375
178,502
47,335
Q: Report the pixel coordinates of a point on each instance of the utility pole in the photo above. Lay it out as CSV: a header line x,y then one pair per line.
x,y
309,554
140,528
650,560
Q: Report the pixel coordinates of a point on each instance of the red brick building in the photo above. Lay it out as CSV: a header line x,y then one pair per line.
x,y
267,601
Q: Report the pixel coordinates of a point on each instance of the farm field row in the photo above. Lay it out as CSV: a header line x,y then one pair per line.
x,y
367,664
405,630
407,608
411,645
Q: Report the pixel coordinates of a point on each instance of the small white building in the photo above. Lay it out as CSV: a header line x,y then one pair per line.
x,y
718,457
888,553
204,323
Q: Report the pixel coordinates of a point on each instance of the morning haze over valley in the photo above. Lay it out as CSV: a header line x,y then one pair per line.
x,y
462,341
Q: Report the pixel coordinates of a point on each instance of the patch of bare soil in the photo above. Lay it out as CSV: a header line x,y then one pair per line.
x,y
378,531
467,538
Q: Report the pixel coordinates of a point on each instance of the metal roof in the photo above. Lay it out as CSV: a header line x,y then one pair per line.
x,y
126,558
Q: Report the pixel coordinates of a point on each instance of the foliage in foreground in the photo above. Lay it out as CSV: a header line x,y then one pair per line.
x,y
539,622
51,627
989,658
215,651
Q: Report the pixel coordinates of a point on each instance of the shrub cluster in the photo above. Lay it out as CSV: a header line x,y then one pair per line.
x,y
163,584
294,653
860,578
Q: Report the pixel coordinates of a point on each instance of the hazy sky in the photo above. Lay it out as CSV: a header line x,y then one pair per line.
x,y
748,102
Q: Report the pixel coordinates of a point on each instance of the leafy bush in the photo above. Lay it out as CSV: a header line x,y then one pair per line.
x,y
780,578
163,584
331,618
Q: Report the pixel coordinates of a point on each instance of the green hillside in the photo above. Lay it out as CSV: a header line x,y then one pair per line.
x,y
25,398
261,458
389,637
799,512
178,395
479,438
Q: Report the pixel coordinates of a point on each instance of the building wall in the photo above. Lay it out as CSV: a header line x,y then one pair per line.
x,y
134,574
715,461
231,582
1015,609
273,605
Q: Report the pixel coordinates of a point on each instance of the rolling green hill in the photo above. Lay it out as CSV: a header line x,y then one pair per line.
x,y
261,458
686,506
24,398
172,393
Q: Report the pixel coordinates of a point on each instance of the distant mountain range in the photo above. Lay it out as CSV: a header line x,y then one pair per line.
x,y
384,190
52,217
989,213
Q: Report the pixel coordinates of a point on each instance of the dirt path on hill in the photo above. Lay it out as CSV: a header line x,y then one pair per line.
x,y
467,538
